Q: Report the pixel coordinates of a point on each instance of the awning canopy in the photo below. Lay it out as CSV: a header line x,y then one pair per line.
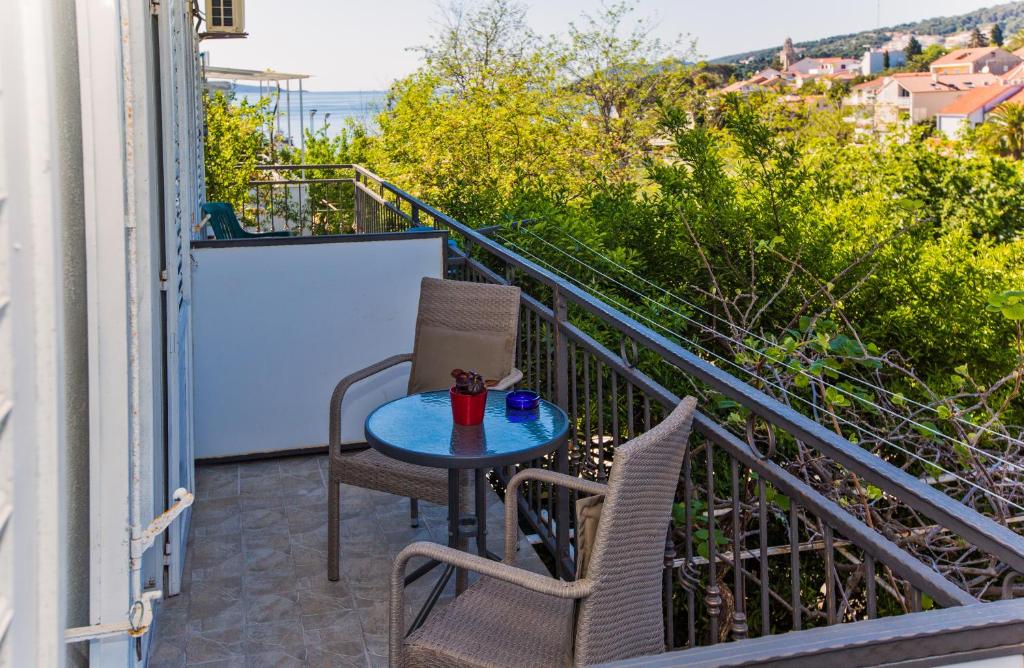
x,y
237,74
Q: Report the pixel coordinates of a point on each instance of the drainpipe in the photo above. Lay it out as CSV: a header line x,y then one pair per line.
x,y
131,234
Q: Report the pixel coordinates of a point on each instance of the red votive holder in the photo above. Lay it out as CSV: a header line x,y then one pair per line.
x,y
468,409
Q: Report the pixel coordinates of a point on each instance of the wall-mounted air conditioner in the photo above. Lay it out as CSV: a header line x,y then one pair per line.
x,y
225,16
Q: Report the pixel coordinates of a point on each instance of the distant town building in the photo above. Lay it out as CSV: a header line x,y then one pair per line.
x,y
874,60
990,59
823,66
768,78
971,108
919,96
788,54
865,93
1014,76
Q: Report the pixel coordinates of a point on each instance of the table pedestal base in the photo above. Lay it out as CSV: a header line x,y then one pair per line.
x,y
459,530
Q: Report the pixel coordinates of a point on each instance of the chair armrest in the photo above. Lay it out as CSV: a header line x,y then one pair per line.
x,y
509,381
334,441
540,475
495,569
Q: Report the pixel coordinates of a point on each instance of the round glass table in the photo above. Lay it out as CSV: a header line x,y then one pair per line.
x,y
418,429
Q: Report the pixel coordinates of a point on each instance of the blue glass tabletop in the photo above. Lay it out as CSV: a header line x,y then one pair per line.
x,y
418,429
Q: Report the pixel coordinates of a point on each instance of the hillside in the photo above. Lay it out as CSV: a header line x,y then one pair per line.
x,y
1010,15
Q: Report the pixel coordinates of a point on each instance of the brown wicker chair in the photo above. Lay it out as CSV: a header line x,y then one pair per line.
x,y
468,325
512,617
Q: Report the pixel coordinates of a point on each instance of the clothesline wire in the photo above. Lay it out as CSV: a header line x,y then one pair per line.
x,y
770,383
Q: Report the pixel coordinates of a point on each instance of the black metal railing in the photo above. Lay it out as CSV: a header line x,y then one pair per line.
x,y
757,547
306,199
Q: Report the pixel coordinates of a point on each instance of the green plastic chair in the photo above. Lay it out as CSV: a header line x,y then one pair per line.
x,y
226,226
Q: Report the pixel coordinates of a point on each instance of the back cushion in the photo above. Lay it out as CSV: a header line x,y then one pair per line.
x,y
440,349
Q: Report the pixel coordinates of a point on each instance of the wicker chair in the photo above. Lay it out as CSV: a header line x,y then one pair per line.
x,y
468,325
513,617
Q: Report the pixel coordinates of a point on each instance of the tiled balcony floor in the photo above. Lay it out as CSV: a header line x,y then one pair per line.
x,y
255,589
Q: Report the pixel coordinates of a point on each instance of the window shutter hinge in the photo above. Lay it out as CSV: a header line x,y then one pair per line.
x,y
154,7
163,280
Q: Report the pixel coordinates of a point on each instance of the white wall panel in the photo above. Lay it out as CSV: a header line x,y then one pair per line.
x,y
275,327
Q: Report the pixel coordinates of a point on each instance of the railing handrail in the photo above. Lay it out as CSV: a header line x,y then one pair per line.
x,y
982,531
303,166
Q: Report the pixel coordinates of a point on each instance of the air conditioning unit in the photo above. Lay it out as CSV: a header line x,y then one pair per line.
x,y
225,16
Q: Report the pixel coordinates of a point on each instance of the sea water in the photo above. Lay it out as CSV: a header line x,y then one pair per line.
x,y
330,109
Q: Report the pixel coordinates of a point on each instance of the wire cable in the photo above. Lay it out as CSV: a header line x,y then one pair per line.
x,y
864,383
853,395
767,382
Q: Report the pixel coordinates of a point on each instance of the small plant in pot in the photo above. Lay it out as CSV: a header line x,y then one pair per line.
x,y
469,396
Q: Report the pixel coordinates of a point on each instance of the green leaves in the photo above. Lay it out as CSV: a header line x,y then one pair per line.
x,y
1008,302
835,397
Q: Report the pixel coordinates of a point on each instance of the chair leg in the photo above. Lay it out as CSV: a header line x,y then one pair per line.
x,y
333,530
414,513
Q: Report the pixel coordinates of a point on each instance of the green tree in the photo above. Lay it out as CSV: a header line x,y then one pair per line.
x,y
235,143
922,61
913,47
486,124
1016,41
625,72
977,39
478,45
1004,129
996,35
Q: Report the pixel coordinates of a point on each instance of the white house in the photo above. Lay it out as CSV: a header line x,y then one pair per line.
x,y
971,108
874,60
918,96
823,66
865,93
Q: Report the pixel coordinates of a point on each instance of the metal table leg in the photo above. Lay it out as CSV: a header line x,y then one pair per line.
x,y
480,486
455,538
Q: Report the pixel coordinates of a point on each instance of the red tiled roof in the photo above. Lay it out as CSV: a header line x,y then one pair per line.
x,y
1016,74
874,84
925,82
1014,99
974,100
961,56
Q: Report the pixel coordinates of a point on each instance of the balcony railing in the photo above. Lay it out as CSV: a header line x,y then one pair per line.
x,y
758,547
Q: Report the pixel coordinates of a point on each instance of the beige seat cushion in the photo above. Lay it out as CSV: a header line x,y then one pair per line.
x,y
495,624
440,349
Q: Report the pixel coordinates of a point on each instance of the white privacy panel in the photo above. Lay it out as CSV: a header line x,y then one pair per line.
x,y
276,326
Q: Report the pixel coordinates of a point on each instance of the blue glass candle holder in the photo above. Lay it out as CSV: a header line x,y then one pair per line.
x,y
522,400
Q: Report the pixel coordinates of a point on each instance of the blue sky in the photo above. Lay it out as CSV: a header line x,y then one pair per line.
x,y
349,45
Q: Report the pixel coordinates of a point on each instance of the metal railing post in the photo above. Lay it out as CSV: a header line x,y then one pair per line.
x,y
561,362
357,223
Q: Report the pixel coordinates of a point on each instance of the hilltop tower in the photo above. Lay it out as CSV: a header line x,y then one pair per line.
x,y
788,54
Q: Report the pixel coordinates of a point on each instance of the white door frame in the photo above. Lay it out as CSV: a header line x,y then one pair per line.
x,y
103,168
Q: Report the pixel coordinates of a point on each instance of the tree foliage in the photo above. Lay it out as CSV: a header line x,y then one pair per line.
x,y
996,35
235,143
1003,130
